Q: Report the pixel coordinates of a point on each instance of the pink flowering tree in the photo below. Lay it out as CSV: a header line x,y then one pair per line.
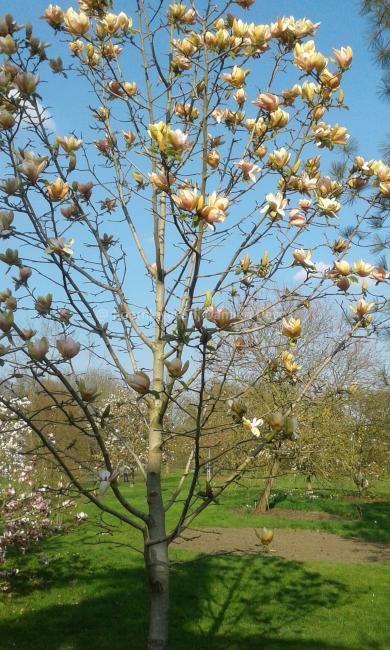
x,y
194,206
30,509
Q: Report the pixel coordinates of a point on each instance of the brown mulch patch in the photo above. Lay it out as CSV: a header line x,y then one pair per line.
x,y
300,545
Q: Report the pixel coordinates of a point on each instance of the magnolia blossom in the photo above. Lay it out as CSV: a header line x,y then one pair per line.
x,y
289,362
279,158
57,190
307,184
236,77
342,267
54,15
304,204
362,268
275,205
245,4
267,101
68,348
362,307
330,207
161,181
217,115
140,382
240,96
178,139
249,170
187,199
380,274
176,368
69,143
253,425
303,258
343,56
75,23
221,317
296,218
215,209
291,327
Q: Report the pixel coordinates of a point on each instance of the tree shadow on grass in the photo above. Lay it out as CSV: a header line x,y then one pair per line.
x,y
218,603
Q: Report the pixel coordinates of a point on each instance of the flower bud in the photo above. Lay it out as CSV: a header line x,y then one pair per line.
x,y
276,421
26,82
6,321
43,304
140,382
88,391
11,257
68,348
54,16
65,315
10,186
8,45
38,349
27,334
176,368
7,120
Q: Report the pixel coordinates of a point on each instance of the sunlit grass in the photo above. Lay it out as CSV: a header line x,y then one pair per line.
x,y
80,591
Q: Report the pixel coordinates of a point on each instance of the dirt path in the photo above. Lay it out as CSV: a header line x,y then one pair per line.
x,y
290,544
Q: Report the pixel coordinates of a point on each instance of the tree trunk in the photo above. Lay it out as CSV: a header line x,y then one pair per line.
x,y
263,505
157,568
309,487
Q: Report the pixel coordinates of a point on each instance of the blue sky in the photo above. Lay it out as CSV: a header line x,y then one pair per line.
x,y
341,24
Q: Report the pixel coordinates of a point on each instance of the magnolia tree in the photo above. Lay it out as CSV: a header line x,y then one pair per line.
x,y
144,244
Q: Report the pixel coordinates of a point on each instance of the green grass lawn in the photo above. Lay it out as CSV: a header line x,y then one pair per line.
x,y
73,593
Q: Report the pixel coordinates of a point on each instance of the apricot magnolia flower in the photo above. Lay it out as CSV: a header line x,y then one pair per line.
x,y
54,15
217,115
342,267
253,425
362,268
68,348
178,139
75,23
289,362
362,308
112,23
215,209
245,4
60,247
275,205
279,158
249,170
161,181
236,77
330,207
380,274
291,327
343,56
296,218
69,143
187,199
303,258
220,317
57,190
266,101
